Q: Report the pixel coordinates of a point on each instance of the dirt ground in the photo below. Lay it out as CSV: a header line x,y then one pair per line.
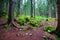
x,y
13,33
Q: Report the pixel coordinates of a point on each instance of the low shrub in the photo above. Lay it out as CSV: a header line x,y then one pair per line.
x,y
49,29
21,21
2,14
27,19
33,23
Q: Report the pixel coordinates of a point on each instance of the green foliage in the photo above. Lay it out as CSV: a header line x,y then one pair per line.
x,y
15,14
3,14
49,28
27,19
42,18
6,26
33,22
21,21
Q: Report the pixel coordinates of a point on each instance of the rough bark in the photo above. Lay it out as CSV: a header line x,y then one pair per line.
x,y
18,10
1,5
58,26
31,9
7,5
34,8
11,11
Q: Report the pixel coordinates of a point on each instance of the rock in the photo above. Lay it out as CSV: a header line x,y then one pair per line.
x,y
20,29
49,31
17,35
30,34
26,33
44,36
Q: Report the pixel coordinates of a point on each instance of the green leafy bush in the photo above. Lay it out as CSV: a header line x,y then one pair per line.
x,y
33,23
21,21
27,19
2,14
49,29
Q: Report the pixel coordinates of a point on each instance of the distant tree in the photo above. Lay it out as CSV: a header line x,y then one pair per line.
x,y
1,5
31,9
18,7
34,8
7,5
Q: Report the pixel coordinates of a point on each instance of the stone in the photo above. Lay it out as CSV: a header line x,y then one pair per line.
x,y
26,33
30,34
20,29
49,31
17,35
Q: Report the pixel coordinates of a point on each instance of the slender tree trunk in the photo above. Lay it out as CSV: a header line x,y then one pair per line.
x,y
11,11
58,26
49,8
31,9
18,10
1,5
7,2
34,8
56,11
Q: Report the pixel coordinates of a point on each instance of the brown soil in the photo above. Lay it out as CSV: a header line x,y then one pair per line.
x,y
13,33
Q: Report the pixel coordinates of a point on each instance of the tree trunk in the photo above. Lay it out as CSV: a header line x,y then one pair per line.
x,y
11,11
34,8
1,5
18,10
7,2
58,26
31,9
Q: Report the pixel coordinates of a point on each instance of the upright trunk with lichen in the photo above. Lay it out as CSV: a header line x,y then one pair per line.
x,y
11,11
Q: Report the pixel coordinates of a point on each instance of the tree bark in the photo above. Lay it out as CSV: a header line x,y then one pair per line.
x,y
34,8
11,11
31,9
1,5
18,10
58,26
7,2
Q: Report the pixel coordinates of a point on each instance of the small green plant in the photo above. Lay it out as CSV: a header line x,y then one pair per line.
x,y
21,21
27,19
49,29
2,13
6,26
33,23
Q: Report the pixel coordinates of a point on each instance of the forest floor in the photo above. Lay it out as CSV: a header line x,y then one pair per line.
x,y
13,33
